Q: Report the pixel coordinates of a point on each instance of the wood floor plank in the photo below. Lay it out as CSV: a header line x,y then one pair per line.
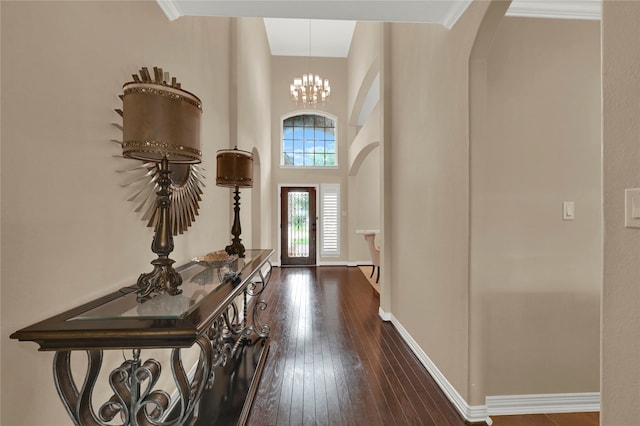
x,y
375,361
342,378
367,410
321,411
333,361
520,420
310,334
268,395
575,419
417,414
290,345
434,400
382,405
331,389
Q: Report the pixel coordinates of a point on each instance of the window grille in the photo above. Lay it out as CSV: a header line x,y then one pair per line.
x,y
309,140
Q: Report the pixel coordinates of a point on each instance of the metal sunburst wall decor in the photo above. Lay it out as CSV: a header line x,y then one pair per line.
x,y
141,177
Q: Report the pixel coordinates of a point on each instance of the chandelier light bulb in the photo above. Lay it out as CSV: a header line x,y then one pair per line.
x,y
310,89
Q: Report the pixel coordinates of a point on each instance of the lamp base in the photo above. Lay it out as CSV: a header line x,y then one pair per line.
x,y
163,278
235,248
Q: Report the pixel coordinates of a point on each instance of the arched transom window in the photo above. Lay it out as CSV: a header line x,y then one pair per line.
x,y
309,140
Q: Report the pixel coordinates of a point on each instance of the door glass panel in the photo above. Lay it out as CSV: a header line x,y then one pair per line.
x,y
298,224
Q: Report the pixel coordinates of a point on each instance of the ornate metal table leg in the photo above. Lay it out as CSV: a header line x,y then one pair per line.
x,y
254,326
135,400
77,404
235,329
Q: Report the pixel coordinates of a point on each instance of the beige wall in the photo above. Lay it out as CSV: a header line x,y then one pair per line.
x,y
1,343
429,188
621,161
253,113
365,161
284,69
68,233
527,266
364,206
536,279
364,64
367,192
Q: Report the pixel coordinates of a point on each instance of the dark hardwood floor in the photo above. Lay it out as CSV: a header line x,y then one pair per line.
x,y
560,419
332,361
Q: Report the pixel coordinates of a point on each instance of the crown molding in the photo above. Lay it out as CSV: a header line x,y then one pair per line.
x,y
456,10
578,9
170,9
560,9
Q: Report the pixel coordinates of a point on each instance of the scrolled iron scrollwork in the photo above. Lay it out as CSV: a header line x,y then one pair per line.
x,y
190,392
255,288
231,318
134,402
132,384
262,329
221,348
251,328
257,330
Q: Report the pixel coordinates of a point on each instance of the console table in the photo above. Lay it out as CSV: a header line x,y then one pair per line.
x,y
217,315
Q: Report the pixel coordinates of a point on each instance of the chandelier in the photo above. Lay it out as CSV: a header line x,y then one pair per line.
x,y
310,90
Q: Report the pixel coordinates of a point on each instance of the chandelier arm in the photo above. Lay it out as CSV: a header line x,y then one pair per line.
x,y
310,89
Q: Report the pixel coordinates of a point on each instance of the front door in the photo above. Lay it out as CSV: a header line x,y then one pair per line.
x,y
298,225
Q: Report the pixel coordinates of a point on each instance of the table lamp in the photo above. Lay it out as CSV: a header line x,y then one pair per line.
x,y
235,170
161,123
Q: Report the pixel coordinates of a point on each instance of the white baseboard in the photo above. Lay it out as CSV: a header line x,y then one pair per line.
x,y
543,403
333,263
476,413
498,405
383,315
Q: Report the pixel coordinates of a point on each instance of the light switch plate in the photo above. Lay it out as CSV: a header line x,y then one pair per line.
x,y
568,210
632,208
